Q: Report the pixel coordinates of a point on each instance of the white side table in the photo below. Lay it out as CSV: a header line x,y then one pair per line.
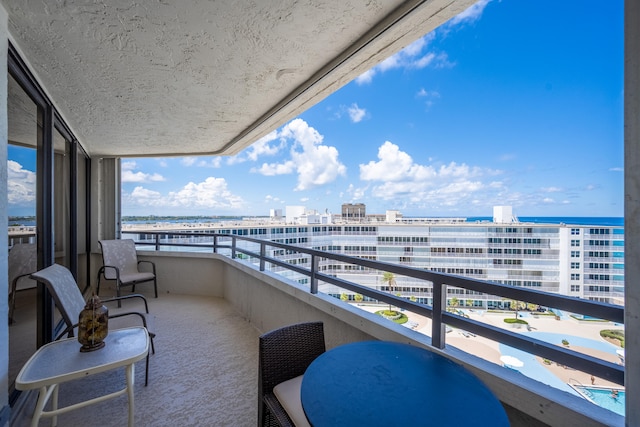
x,y
61,361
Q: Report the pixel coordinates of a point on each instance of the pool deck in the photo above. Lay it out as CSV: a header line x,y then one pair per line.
x,y
583,332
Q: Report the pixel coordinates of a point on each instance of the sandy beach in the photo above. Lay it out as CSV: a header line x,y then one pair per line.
x,y
490,350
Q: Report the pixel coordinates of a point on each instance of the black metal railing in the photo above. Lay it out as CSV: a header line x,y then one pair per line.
x,y
217,243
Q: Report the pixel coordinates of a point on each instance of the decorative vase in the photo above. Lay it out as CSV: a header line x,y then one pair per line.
x,y
93,325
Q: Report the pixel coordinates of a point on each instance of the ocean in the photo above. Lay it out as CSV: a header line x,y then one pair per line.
x,y
576,220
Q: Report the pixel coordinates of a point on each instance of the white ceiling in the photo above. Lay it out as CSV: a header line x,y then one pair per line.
x,y
162,77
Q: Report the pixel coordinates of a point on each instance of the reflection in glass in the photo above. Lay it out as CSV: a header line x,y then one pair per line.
x,y
21,207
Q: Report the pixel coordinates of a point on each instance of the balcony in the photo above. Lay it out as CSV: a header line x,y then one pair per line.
x,y
213,307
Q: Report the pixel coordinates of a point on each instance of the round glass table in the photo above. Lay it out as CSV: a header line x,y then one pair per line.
x,y
379,383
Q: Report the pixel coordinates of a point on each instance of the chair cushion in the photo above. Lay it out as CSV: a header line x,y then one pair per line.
x,y
288,394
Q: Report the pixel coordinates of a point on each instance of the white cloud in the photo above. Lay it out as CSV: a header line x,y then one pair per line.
x,y
366,77
411,57
429,96
471,14
356,113
616,169
315,164
394,165
130,176
237,159
262,146
415,56
354,193
21,185
552,189
128,165
146,196
271,169
269,198
213,162
396,176
269,145
188,161
212,193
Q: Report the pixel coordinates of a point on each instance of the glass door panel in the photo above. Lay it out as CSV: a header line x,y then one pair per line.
x,y
21,207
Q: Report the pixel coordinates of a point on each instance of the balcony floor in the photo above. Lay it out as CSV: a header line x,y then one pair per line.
x,y
204,372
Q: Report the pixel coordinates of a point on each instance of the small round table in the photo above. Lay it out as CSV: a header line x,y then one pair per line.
x,y
379,383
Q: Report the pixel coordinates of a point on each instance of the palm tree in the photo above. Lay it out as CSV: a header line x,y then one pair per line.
x,y
390,280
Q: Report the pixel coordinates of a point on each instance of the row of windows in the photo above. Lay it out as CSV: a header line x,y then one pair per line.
x,y
526,283
515,251
599,276
575,276
510,230
599,242
402,239
599,231
515,240
360,248
464,271
599,254
282,252
457,250
575,265
598,265
360,229
575,243
507,262
532,251
356,268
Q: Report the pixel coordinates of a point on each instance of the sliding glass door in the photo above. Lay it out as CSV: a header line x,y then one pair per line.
x,y
47,205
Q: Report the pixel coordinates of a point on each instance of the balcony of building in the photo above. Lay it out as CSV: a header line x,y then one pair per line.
x,y
212,308
204,295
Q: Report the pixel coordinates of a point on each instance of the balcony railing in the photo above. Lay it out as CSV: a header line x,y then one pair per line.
x,y
256,251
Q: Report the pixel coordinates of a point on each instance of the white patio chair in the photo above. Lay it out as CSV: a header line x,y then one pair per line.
x,y
70,302
120,263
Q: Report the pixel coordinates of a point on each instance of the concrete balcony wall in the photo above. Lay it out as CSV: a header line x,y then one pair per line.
x,y
269,301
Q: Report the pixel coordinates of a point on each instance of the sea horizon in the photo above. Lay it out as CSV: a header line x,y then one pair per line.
x,y
152,219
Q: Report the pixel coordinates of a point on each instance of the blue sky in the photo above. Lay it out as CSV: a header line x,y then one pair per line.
x,y
514,102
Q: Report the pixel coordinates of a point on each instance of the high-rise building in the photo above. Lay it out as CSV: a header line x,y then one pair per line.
x,y
354,211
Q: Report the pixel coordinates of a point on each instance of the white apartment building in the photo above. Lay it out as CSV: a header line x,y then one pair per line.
x,y
584,261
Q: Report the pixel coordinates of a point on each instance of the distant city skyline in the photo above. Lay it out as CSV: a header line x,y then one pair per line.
x,y
506,104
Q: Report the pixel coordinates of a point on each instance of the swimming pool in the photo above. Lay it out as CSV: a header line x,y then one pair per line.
x,y
603,397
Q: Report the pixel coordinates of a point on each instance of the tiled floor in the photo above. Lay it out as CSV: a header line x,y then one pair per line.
x,y
204,372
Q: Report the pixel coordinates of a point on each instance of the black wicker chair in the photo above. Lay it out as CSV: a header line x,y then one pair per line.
x,y
284,354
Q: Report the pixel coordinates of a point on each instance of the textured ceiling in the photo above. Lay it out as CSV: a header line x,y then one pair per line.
x,y
161,77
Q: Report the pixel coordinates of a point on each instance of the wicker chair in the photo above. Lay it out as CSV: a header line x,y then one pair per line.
x,y
121,264
284,354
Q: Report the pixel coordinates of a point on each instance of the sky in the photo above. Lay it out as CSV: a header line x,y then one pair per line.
x,y
513,102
